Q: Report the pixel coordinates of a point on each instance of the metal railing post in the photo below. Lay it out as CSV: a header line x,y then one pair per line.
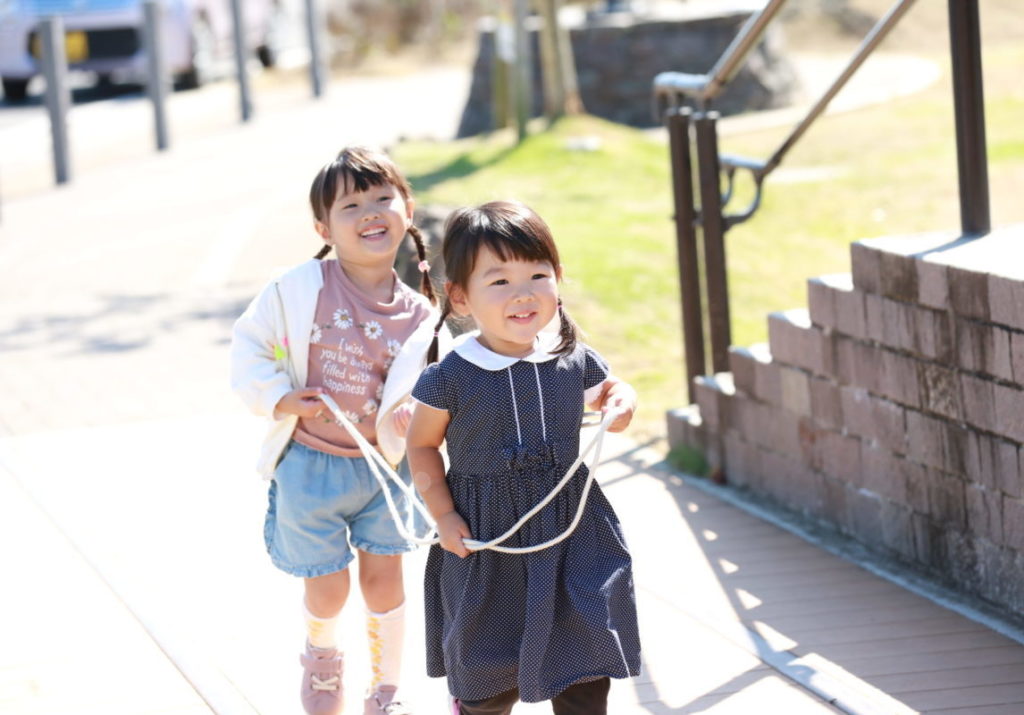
x,y
58,94
244,90
677,121
316,69
713,225
158,80
969,109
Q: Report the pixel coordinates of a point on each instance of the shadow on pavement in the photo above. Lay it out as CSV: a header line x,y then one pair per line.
x,y
121,323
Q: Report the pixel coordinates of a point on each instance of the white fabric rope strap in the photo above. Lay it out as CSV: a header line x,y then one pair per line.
x,y
377,462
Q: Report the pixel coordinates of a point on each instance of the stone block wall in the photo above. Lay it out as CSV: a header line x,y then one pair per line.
x,y
617,62
891,409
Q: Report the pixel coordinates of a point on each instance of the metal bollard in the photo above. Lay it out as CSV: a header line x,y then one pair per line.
x,y
316,70
244,91
58,94
157,83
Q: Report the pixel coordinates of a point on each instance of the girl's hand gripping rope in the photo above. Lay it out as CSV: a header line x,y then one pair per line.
x,y
619,398
304,402
453,532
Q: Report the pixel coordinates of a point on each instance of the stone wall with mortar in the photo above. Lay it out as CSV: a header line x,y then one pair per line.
x,y
617,62
891,409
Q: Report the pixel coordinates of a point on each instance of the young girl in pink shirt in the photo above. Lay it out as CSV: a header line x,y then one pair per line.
x,y
346,327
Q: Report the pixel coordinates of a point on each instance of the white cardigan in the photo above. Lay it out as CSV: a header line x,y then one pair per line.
x,y
280,319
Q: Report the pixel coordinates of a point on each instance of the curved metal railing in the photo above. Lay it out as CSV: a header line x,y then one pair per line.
x,y
672,89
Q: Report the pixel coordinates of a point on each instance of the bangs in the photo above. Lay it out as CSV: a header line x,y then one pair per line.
x,y
511,231
518,248
355,169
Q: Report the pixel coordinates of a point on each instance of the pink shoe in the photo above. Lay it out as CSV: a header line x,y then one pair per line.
x,y
382,701
322,689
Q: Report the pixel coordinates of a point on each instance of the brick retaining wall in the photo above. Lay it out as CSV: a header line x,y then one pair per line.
x,y
891,409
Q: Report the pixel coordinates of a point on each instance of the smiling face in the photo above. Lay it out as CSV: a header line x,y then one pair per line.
x,y
510,300
366,227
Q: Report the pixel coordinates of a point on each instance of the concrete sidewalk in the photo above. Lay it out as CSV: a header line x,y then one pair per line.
x,y
151,571
132,520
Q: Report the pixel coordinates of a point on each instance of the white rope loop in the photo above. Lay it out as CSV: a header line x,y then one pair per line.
x,y
376,461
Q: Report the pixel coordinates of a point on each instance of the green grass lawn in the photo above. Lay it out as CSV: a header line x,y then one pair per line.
x,y
890,170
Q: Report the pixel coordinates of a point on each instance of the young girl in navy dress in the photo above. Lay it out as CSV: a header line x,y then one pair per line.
x,y
553,624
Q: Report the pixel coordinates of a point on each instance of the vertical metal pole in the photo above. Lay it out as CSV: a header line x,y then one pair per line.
x,y
316,69
244,90
969,106
522,68
158,78
678,122
58,94
714,239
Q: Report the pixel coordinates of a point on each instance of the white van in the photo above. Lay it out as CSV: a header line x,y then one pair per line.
x,y
106,37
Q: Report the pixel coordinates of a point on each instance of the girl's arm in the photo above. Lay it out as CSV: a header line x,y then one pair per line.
x,y
616,394
258,362
423,446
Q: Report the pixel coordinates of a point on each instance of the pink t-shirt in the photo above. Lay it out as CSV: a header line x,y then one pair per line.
x,y
355,339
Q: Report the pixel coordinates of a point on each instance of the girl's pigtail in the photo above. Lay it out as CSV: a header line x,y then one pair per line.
x,y
426,288
432,352
568,332
323,251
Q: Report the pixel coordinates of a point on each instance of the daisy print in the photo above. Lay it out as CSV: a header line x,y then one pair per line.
x,y
370,407
353,417
342,319
373,330
393,347
380,391
317,335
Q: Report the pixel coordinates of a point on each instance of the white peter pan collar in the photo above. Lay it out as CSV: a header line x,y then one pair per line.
x,y
469,348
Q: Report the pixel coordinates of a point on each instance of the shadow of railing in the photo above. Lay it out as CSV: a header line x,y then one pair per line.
x,y
858,641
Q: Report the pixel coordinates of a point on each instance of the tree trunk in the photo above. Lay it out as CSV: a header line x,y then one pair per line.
x,y
551,66
521,69
570,82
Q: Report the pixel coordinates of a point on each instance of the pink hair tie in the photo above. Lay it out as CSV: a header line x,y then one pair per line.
x,y
423,266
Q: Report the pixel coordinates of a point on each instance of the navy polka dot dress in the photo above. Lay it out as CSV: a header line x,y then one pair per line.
x,y
541,621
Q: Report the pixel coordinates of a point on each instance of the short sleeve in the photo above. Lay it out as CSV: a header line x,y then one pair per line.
x,y
596,369
430,388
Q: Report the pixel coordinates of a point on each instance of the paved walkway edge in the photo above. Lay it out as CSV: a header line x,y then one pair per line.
x,y
219,693
813,673
847,549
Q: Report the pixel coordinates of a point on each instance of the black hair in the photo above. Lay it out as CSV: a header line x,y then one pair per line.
x,y
359,168
512,231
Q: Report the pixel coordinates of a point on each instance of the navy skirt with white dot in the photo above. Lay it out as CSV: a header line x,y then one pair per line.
x,y
540,621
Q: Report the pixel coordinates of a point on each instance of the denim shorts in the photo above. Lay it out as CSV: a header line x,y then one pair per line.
x,y
322,507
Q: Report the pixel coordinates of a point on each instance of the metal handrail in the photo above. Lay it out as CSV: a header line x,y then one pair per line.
x,y
670,88
705,87
866,47
759,170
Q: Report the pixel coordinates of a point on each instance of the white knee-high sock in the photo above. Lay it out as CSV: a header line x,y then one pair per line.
x,y
322,632
385,633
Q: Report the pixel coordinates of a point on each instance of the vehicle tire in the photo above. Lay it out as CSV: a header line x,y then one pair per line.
x,y
15,90
201,70
267,56
268,51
